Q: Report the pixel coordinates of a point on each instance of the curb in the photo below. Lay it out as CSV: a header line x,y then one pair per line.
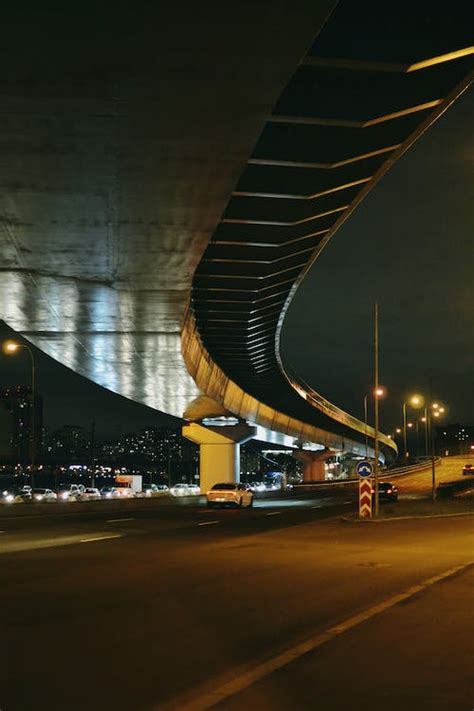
x,y
345,519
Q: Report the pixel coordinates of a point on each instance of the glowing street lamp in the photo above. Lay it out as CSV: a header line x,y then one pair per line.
x,y
379,392
11,347
416,401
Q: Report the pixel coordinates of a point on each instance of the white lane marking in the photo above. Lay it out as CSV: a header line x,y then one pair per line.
x,y
117,520
100,538
259,671
207,523
273,513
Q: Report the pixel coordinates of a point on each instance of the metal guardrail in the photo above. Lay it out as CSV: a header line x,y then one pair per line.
x,y
448,489
384,474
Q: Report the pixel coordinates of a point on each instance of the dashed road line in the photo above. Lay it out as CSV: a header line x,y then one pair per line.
x,y
207,523
118,520
273,513
100,538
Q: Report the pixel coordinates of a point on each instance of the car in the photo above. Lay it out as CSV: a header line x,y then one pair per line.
x,y
108,492
387,491
123,492
468,469
229,494
70,492
90,493
153,490
10,496
180,490
44,495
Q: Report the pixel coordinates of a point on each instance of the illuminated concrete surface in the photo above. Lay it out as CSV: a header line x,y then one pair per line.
x,y
123,140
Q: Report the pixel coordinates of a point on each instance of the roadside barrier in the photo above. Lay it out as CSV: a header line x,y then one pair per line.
x,y
448,489
384,474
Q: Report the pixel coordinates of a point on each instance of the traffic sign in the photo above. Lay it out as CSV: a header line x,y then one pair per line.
x,y
364,468
365,498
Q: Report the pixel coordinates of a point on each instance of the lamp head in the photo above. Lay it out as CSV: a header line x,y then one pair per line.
x,y
10,347
417,401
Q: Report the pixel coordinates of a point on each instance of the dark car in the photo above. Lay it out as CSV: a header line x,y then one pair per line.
x,y
387,491
468,469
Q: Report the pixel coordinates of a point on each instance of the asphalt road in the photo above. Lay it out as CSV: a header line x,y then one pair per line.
x,y
162,610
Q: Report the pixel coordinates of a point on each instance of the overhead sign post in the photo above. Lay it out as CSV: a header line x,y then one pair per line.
x,y
365,470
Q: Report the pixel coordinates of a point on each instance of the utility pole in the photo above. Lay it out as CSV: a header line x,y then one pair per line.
x,y
366,428
92,454
431,428
376,407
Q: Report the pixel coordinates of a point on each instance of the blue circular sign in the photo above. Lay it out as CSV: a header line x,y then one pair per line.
x,y
364,468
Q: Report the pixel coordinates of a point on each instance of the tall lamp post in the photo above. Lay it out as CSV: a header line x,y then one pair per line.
x,y
415,401
436,411
10,348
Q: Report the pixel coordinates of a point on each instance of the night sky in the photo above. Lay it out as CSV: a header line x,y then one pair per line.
x,y
70,399
410,246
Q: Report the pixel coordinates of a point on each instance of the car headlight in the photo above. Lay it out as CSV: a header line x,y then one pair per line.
x,y
39,497
9,498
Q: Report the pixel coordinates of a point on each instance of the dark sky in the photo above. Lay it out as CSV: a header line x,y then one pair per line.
x,y
410,246
71,399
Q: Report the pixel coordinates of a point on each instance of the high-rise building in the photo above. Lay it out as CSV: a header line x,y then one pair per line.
x,y
17,416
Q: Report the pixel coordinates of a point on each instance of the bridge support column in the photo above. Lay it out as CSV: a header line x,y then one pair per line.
x,y
313,463
219,451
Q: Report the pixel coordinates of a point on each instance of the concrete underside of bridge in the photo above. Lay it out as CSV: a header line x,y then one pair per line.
x,y
123,133
161,162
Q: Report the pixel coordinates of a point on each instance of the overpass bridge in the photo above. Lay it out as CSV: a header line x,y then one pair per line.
x,y
171,173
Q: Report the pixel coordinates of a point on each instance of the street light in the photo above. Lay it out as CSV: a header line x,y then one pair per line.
x,y
437,411
10,348
379,392
415,401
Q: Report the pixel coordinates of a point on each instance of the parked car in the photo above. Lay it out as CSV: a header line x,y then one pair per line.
x,y
44,495
229,494
468,469
387,491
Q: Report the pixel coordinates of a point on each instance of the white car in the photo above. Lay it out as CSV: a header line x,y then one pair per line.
x,y
90,493
181,490
73,492
44,495
229,494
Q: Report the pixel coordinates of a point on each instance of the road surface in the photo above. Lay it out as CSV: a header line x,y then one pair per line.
x,y
159,611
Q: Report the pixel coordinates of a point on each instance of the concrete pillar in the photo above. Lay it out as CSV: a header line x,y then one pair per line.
x,y
313,463
219,451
